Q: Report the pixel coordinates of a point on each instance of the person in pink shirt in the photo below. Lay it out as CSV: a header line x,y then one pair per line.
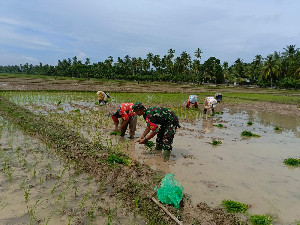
x,y
128,118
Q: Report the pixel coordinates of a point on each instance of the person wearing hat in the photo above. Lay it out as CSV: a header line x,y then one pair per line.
x,y
160,121
193,99
128,118
102,96
210,104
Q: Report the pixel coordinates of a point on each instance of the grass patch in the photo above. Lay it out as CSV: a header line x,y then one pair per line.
x,y
218,125
292,162
246,133
234,207
260,220
216,143
250,123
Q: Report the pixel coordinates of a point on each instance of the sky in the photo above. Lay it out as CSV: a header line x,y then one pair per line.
x,y
34,31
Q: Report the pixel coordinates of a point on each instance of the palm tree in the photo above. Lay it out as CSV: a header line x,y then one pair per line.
x,y
198,53
270,68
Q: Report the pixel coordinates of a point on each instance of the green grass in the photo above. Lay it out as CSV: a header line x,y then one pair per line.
x,y
292,162
234,207
260,220
246,133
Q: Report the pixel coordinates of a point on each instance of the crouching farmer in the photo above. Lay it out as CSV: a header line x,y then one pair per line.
x,y
160,121
102,96
210,104
128,118
193,99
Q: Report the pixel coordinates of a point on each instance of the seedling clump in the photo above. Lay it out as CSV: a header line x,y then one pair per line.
x,y
246,133
292,162
260,220
277,128
234,207
115,132
250,123
150,145
218,125
115,158
215,143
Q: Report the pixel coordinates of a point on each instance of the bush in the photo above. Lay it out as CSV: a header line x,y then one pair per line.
x,y
289,83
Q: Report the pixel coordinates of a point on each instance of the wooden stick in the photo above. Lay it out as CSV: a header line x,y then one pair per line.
x,y
167,211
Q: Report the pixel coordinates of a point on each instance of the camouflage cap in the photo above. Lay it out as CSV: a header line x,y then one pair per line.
x,y
138,106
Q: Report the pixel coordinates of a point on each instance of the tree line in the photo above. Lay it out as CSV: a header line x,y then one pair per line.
x,y
279,69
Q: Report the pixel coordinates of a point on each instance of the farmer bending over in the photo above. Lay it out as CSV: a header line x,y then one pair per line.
x,y
128,117
102,96
210,104
193,99
160,121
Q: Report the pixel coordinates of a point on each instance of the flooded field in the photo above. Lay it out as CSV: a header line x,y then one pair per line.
x,y
249,170
37,187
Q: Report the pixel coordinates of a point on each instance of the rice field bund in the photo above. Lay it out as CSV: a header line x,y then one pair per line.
x,y
235,154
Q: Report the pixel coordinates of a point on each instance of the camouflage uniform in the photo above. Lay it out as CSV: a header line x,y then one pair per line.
x,y
164,122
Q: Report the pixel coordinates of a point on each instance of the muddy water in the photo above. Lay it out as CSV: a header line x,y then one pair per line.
x,y
37,187
248,170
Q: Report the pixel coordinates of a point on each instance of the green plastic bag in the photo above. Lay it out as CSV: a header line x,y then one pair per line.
x,y
169,191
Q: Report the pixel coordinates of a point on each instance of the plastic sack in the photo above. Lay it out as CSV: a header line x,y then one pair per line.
x,y
169,191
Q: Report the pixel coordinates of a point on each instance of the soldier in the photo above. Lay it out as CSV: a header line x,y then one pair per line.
x,y
160,121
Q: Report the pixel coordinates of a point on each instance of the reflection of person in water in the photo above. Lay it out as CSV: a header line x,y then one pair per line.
x,y
207,125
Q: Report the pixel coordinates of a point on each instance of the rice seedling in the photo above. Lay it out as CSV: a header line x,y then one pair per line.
x,y
118,159
218,125
84,199
150,145
260,220
234,207
26,194
292,162
277,128
216,143
115,133
246,133
249,123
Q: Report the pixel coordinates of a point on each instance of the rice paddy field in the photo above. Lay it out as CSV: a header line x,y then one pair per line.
x,y
210,158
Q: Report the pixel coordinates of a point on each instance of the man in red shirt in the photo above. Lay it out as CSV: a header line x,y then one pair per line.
x,y
128,117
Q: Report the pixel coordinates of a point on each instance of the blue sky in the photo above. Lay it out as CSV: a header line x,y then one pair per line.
x,y
36,31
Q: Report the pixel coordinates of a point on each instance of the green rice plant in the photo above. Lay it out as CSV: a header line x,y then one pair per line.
x,y
218,125
218,113
26,194
234,207
277,128
58,103
60,108
84,199
292,162
249,123
118,159
246,133
150,145
260,220
216,143
115,133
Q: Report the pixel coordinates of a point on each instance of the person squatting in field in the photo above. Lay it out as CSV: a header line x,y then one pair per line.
x,y
102,96
160,121
128,118
210,104
193,99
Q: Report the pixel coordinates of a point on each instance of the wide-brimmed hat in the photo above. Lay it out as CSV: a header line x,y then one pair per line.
x,y
137,106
